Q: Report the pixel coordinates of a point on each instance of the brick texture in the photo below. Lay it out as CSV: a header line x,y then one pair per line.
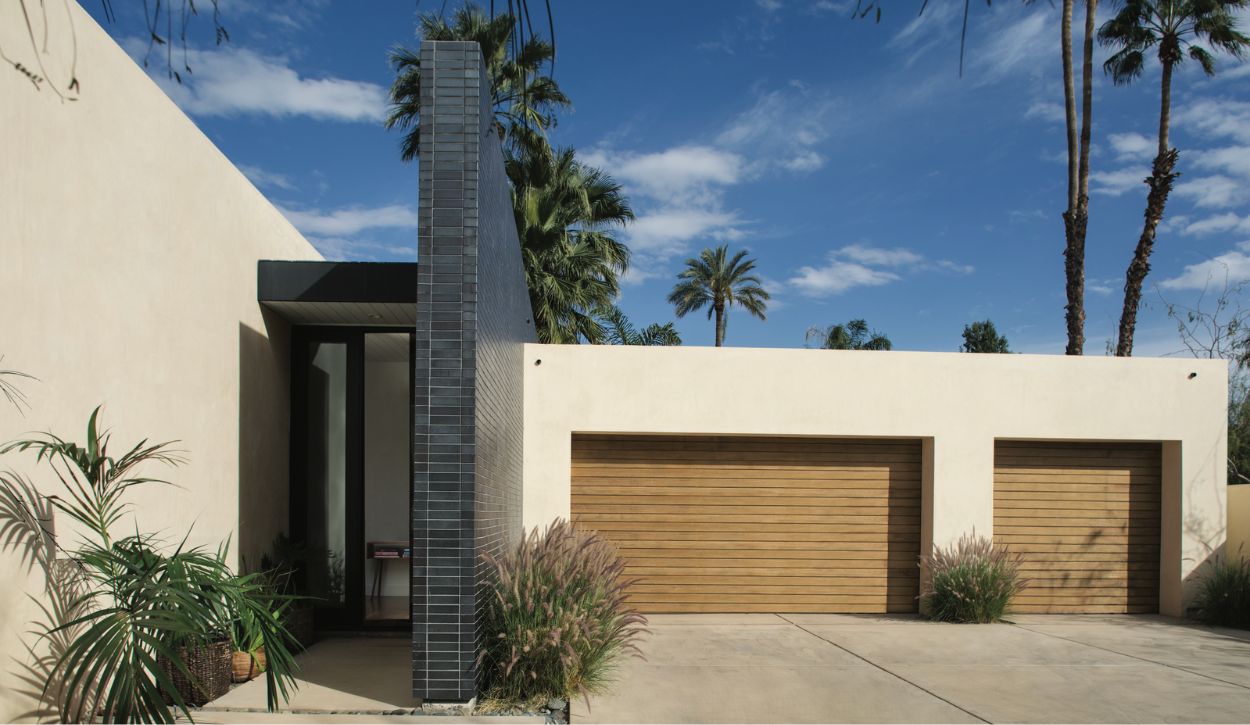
x,y
472,320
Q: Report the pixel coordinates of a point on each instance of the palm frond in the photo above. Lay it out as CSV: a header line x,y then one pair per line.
x,y
524,97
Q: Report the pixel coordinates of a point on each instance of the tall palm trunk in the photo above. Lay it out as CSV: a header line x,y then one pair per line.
x,y
1076,218
1071,259
1160,183
719,307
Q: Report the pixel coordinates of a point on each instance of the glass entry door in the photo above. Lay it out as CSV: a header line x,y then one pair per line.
x,y
351,454
326,491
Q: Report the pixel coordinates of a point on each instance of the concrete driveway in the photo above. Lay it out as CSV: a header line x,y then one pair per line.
x,y
838,668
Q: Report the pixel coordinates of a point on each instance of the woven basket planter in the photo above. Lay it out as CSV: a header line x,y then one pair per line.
x,y
247,666
209,666
299,622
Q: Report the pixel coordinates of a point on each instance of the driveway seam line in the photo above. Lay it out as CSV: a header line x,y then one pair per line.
x,y
1135,657
885,670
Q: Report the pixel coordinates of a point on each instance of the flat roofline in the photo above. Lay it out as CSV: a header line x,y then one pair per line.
x,y
376,282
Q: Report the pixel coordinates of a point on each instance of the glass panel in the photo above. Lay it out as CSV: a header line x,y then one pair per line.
x,y
327,471
388,406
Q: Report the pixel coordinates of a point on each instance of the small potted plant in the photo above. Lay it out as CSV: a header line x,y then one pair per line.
x,y
285,565
247,639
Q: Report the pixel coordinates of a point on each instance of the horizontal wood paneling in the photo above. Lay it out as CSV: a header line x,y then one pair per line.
x,y
729,524
1086,519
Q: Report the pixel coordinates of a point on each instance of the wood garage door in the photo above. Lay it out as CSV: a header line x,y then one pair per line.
x,y
738,524
1086,518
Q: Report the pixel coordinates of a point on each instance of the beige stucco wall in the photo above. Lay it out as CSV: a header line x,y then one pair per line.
x,y
128,250
1239,521
960,403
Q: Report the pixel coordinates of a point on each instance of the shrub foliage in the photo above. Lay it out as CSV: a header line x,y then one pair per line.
x,y
972,580
1224,597
558,621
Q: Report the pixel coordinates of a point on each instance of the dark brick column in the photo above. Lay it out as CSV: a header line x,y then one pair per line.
x,y
472,319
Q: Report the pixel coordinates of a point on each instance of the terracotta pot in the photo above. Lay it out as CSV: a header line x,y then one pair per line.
x,y
245,666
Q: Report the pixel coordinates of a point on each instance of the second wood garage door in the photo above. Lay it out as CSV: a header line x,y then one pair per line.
x,y
739,524
1085,517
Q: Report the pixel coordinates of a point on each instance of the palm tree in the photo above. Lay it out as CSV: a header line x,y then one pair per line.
x,y
718,283
618,330
525,100
567,215
1076,217
854,335
1172,29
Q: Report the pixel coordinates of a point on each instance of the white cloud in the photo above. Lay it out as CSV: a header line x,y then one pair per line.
x,y
863,265
926,29
1048,111
1241,70
680,191
830,6
1118,182
1133,146
266,179
665,232
837,277
1100,286
352,220
784,127
948,266
338,248
1218,224
1231,267
676,171
1216,117
1174,223
234,81
1015,43
806,161
879,257
1231,159
1216,191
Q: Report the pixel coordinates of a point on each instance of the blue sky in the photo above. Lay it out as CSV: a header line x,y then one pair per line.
x,y
867,178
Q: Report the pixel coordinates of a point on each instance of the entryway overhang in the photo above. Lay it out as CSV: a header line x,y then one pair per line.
x,y
362,294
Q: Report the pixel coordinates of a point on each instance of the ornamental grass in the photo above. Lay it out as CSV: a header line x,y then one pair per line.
x,y
557,622
1224,595
971,581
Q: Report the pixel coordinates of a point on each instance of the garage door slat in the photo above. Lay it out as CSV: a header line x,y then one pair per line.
x,y
1086,519
741,524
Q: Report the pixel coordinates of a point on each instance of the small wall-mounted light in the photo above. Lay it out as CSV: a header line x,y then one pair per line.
x,y
538,362
1193,375
374,316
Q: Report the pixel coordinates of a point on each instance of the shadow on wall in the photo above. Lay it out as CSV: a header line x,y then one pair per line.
x,y
1212,538
264,432
26,530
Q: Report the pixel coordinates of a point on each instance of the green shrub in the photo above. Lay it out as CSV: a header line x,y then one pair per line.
x,y
1224,596
973,580
557,621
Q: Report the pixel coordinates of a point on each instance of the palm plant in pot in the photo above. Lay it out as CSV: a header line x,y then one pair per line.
x,y
286,565
151,625
247,637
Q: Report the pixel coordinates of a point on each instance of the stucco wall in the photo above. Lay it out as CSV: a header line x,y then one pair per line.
x,y
958,403
128,250
1239,521
388,403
